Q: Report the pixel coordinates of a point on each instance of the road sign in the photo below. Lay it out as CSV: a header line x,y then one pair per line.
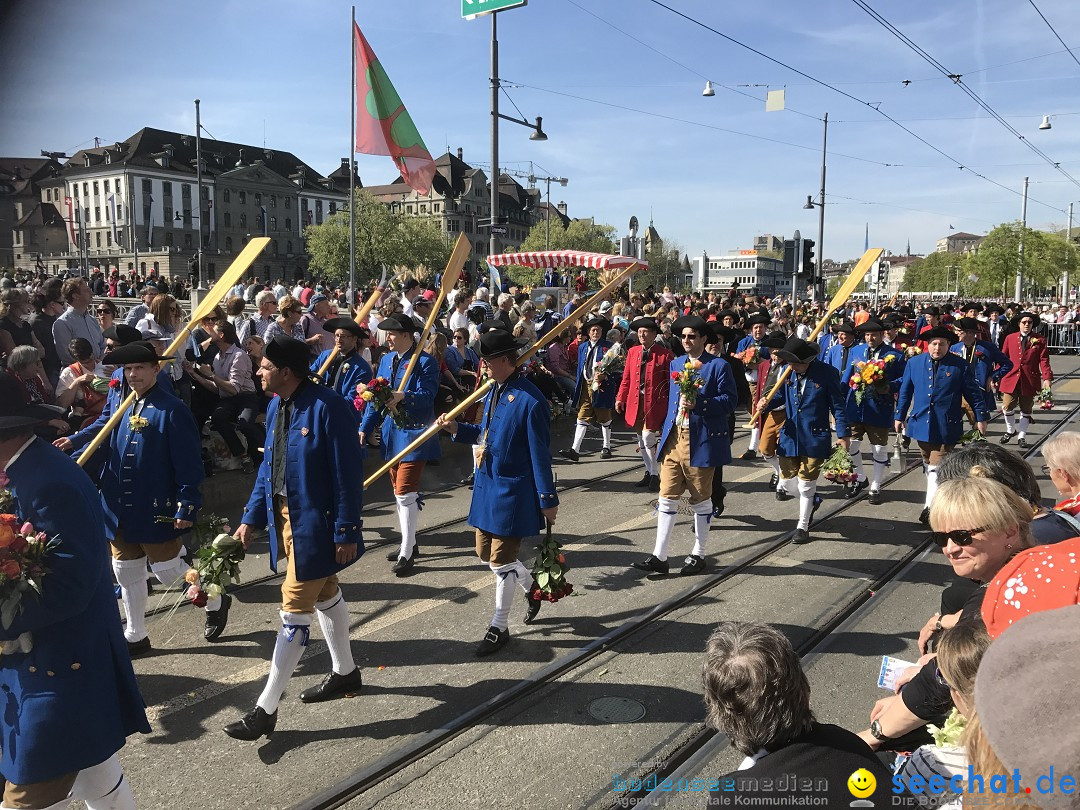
x,y
500,230
474,8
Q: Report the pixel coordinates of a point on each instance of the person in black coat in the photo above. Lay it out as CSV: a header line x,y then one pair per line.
x,y
720,341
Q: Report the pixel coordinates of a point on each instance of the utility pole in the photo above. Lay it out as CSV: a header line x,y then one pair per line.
x,y
819,288
1020,265
198,192
1065,288
493,237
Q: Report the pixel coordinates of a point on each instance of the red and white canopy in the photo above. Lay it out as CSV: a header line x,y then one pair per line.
x,y
566,258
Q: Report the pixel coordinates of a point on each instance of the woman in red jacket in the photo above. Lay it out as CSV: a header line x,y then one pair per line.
x,y
643,395
1030,372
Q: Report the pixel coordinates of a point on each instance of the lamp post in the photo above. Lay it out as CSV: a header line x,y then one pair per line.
x,y
819,287
198,191
562,181
538,132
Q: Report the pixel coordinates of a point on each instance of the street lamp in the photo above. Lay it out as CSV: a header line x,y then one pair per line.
x,y
562,181
810,204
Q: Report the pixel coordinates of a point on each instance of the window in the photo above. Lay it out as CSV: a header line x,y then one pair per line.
x,y
273,223
86,189
451,225
318,212
333,207
435,208
146,213
226,195
187,217
273,200
243,220
106,186
288,247
168,238
97,213
187,240
147,185
106,214
228,244
258,198
48,195
423,208
166,189
408,209
243,198
95,184
288,203
228,219
275,247
185,191
288,223
168,215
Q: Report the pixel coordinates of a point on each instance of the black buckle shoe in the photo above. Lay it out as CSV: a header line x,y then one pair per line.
x,y
645,481
492,642
651,565
534,604
800,537
1021,442
782,495
217,619
469,479
774,479
570,453
334,685
252,725
404,565
392,556
654,483
852,491
693,565
605,452
924,515
140,647
875,498
1008,437
749,454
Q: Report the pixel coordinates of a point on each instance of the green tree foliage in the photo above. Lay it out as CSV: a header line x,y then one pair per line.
x,y
580,234
382,237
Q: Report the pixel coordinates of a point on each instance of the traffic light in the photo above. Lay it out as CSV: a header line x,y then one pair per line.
x,y
791,262
807,262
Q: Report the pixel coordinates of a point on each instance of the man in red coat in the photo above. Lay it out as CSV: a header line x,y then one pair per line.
x,y
1030,372
643,395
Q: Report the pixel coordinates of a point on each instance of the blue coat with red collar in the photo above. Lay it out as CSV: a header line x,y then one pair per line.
x,y
710,443
418,405
934,400
323,482
72,701
605,396
513,481
876,411
806,432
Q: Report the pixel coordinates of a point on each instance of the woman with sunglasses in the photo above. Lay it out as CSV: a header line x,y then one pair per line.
x,y
290,311
979,524
15,329
106,314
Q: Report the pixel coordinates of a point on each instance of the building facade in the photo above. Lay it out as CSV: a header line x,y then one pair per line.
x,y
958,242
743,270
27,223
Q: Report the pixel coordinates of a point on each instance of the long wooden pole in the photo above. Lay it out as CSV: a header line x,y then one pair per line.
x,y
556,330
213,297
854,280
361,316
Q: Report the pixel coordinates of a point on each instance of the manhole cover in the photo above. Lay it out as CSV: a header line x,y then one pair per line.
x,y
616,710
878,525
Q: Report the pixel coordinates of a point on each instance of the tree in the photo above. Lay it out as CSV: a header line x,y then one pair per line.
x,y
995,263
935,273
665,268
581,234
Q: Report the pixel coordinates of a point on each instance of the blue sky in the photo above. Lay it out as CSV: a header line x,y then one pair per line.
x,y
75,70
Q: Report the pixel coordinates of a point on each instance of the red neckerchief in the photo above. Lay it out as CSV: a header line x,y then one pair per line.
x,y
1070,505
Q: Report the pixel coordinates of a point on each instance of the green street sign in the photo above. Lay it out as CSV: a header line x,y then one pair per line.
x,y
474,8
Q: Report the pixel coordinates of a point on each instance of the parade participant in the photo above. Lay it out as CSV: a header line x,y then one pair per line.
x,y
719,340
643,394
874,416
514,491
985,357
933,388
150,489
828,338
994,326
769,372
72,700
757,325
594,406
306,496
930,318
695,440
892,336
415,407
839,354
348,369
1030,372
973,310
811,392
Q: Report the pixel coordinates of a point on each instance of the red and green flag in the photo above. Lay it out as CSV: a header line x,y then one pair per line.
x,y
383,125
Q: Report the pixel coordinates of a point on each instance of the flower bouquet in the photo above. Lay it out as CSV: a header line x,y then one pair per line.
x,y
549,571
1046,399
23,553
215,566
869,378
972,436
750,357
911,351
689,382
379,392
839,467
611,363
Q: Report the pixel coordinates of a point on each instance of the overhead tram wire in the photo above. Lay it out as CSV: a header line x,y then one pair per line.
x,y
1054,30
959,82
959,164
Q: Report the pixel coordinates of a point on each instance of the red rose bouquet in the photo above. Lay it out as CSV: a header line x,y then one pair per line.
x,y
549,570
378,392
1046,399
839,467
23,567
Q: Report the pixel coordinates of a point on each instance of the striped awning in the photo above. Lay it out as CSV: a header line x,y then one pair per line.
x,y
565,258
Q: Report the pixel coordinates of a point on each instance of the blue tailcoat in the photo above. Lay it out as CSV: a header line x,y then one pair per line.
x,y
935,401
323,474
835,356
825,342
806,432
113,398
605,397
990,363
355,370
710,444
876,411
153,473
513,482
419,404
72,700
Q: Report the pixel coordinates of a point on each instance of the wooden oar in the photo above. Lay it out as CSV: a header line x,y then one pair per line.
x,y
561,326
865,263
213,297
361,316
449,280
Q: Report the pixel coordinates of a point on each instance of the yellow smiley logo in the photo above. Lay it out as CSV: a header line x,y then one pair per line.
x,y
862,783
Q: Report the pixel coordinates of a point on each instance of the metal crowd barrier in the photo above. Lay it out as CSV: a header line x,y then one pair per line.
x,y
1060,336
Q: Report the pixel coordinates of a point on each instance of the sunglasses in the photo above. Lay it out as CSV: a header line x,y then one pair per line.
x,y
960,537
691,336
211,318
941,678
104,312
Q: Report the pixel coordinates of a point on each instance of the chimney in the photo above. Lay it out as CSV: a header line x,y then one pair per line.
x,y
562,208
345,164
460,154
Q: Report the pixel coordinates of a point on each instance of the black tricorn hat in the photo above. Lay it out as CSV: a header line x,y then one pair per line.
x,y
497,342
490,324
644,323
935,311
727,313
141,351
759,318
967,324
974,305
846,326
596,320
694,322
797,350
869,325
715,332
939,332
992,308
16,412
122,334
1035,319
399,323
774,340
346,324
288,352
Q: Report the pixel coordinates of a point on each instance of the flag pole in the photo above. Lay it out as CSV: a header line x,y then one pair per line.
x,y
354,298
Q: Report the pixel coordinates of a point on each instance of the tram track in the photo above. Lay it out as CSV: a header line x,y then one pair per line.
x,y
366,778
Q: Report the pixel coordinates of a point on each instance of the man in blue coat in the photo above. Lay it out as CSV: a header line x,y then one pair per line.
x,y
933,389
415,410
150,488
988,361
595,403
758,325
71,700
811,392
513,491
839,354
307,495
873,417
694,441
348,369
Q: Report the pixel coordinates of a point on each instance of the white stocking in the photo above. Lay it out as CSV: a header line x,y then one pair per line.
x,y
506,576
931,482
103,787
881,463
1025,423
605,431
334,621
649,441
788,485
292,638
666,511
774,462
408,511
855,451
131,576
755,434
807,490
171,572
579,435
702,515
1009,427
